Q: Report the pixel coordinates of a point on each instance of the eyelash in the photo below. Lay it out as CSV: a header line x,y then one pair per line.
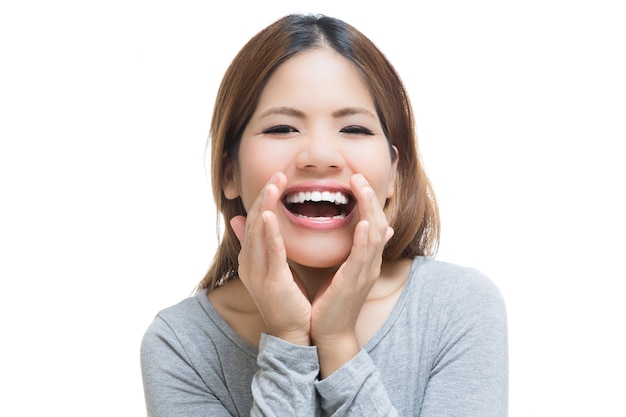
x,y
352,130
357,130
280,129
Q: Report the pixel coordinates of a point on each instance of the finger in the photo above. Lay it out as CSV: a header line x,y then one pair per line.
x,y
369,245
252,225
252,256
353,266
369,207
238,223
270,196
267,230
389,234
256,256
360,245
276,252
363,193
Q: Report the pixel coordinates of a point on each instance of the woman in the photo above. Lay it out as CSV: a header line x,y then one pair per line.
x,y
322,298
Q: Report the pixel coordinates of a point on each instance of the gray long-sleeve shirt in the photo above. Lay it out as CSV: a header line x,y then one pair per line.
x,y
441,352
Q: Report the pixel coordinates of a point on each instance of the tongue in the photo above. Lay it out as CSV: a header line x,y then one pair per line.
x,y
316,209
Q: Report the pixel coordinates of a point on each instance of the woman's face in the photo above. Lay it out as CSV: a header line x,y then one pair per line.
x,y
316,122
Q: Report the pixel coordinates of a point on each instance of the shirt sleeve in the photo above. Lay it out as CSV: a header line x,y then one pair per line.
x,y
469,373
172,387
284,384
355,389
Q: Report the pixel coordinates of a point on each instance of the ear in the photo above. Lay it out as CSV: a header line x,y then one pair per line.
x,y
230,180
393,175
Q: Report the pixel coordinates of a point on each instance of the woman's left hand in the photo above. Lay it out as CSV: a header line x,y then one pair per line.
x,y
339,301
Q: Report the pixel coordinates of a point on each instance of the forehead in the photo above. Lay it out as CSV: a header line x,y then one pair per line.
x,y
316,76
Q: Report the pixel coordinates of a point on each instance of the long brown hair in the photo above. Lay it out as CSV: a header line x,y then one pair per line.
x,y
412,211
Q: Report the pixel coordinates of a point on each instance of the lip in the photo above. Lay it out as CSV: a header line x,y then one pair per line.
x,y
314,223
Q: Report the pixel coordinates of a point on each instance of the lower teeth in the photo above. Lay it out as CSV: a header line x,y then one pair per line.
x,y
339,216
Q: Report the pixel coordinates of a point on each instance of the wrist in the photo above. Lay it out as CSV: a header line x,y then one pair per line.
x,y
295,338
335,352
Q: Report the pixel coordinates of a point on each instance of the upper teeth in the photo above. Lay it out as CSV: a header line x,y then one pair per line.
x,y
316,196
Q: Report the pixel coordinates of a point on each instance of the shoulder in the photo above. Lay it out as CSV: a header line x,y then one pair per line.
x,y
179,326
465,329
457,292
184,354
184,314
456,281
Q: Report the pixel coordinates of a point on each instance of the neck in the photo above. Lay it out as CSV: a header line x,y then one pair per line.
x,y
393,275
313,278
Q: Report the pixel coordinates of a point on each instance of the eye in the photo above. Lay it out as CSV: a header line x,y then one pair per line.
x,y
357,130
279,130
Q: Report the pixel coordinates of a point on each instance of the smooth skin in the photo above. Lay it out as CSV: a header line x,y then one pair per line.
x,y
321,283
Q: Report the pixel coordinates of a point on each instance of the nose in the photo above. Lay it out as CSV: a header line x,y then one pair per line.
x,y
320,152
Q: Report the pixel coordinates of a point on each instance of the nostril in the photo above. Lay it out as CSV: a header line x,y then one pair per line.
x,y
316,155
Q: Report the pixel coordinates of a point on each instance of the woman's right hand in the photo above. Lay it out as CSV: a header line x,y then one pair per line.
x,y
263,269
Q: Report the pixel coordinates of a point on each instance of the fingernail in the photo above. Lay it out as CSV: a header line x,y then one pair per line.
x,y
274,179
360,180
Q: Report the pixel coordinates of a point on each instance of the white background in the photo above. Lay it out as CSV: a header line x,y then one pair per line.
x,y
106,215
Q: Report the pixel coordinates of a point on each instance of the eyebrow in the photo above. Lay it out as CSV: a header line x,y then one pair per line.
x,y
348,111
285,111
289,111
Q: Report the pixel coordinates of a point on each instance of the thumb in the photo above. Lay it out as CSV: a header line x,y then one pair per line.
x,y
389,234
238,223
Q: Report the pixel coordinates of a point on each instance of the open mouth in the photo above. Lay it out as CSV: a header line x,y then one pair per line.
x,y
319,205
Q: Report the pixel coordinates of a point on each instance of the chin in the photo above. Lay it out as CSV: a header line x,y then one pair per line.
x,y
313,257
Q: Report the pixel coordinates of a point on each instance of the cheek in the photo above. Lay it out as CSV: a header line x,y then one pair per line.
x,y
251,183
257,164
378,172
